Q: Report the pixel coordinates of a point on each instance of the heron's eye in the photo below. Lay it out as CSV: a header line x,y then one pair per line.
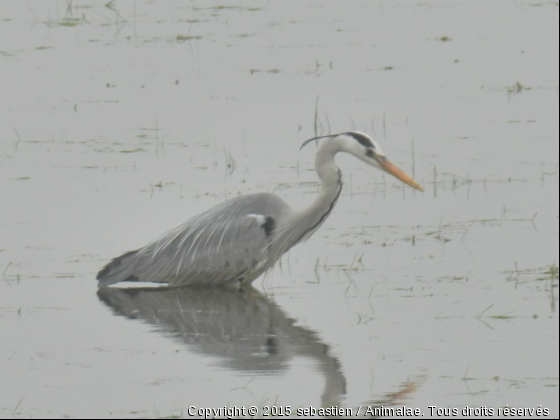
x,y
370,152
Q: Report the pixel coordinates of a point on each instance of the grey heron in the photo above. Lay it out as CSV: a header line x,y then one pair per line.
x,y
236,241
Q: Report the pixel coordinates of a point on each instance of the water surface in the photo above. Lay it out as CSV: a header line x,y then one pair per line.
x,y
122,120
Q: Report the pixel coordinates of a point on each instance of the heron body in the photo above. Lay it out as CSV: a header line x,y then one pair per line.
x,y
234,242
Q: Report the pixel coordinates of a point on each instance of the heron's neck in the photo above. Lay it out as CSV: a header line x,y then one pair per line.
x,y
315,214
331,179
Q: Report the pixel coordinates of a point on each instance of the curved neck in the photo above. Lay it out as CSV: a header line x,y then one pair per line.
x,y
309,219
303,223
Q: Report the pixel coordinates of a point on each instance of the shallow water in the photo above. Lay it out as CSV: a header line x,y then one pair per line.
x,y
122,120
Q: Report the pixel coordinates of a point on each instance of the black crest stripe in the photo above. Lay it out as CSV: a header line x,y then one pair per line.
x,y
362,139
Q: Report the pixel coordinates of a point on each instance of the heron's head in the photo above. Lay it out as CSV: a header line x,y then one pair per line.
x,y
366,149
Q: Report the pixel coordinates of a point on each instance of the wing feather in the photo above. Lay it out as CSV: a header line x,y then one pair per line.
x,y
224,243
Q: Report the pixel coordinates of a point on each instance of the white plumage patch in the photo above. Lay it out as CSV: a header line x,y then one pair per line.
x,y
260,218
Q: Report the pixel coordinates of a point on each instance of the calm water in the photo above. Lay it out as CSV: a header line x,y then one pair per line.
x,y
122,120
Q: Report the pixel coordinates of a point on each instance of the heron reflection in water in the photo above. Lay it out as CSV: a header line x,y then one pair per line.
x,y
244,331
236,241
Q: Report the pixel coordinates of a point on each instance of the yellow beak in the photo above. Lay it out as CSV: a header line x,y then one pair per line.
x,y
390,168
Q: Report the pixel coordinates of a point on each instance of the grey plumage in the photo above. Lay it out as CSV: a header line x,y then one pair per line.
x,y
236,241
227,242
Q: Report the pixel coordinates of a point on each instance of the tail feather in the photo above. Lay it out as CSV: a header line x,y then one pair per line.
x,y
119,269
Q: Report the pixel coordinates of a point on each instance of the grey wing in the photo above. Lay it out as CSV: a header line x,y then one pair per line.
x,y
211,248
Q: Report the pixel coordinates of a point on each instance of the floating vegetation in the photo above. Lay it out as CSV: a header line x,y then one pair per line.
x,y
445,39
516,88
183,38
437,234
67,21
162,184
220,7
481,315
133,150
355,266
526,275
452,278
551,274
503,316
65,275
271,71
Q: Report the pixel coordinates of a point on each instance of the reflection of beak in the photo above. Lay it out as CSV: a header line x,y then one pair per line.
x,y
388,167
